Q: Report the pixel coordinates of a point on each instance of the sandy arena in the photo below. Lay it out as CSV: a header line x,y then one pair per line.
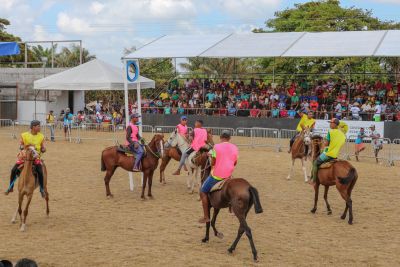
x,y
86,229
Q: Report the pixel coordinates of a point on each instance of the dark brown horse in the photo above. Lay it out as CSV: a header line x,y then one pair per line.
x,y
169,153
238,195
111,159
341,173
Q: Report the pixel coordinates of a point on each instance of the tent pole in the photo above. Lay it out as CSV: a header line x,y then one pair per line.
x,y
139,107
131,184
273,72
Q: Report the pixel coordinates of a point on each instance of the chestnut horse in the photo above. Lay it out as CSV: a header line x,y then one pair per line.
x,y
341,173
112,158
299,151
238,195
27,184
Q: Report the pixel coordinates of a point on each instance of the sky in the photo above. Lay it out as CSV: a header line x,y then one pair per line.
x,y
106,27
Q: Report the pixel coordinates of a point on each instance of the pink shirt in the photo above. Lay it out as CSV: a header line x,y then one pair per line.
x,y
182,129
200,138
226,155
135,131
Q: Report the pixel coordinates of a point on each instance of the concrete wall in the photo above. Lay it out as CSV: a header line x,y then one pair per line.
x,y
391,129
79,101
26,110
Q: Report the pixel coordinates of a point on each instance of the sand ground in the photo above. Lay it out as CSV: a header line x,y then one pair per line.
x,y
86,229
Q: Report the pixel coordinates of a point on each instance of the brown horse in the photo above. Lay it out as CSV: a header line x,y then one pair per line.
x,y
112,158
238,195
26,186
341,173
298,151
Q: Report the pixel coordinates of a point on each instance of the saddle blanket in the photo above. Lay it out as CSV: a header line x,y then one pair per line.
x,y
218,186
328,164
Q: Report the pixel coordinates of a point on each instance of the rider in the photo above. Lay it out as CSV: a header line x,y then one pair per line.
x,y
133,141
224,159
199,139
307,120
182,128
335,140
30,138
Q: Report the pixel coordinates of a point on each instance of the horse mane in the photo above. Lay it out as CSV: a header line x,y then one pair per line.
x,y
203,149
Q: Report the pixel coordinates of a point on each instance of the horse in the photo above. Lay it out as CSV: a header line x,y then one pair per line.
x,y
174,146
27,184
340,173
112,158
299,151
239,196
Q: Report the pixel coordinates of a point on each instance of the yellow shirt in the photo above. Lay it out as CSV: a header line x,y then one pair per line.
x,y
336,140
305,121
50,118
343,127
164,95
33,140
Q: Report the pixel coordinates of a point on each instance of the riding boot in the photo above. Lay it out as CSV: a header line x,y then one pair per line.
x,y
15,171
206,210
39,171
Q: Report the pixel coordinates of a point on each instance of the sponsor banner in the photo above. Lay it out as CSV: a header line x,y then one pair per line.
x,y
322,127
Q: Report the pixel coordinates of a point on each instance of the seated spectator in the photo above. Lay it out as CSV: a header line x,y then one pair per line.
x,y
291,113
232,111
167,110
314,105
283,113
275,113
254,112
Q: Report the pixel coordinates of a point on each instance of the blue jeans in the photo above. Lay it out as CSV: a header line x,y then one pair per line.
x,y
51,127
139,151
185,154
208,184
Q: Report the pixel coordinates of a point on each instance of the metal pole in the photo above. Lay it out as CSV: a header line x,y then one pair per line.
x,y
131,184
365,67
273,72
80,53
26,55
52,54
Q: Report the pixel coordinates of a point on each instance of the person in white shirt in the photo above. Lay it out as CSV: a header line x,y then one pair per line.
x,y
376,141
378,111
338,110
355,110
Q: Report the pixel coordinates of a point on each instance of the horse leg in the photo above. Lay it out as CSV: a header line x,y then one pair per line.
x,y
213,220
145,174
14,218
207,237
349,203
346,197
291,170
304,170
239,235
163,166
250,237
20,201
328,207
316,189
150,181
23,226
107,178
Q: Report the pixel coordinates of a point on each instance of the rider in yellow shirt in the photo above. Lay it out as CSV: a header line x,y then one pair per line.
x,y
335,139
31,138
307,120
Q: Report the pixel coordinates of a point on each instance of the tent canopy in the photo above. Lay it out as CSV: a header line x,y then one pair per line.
x,y
93,75
9,48
288,44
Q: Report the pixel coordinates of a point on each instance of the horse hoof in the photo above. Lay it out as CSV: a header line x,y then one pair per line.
x,y
288,178
204,240
220,235
343,217
313,210
350,222
110,196
23,228
230,251
329,212
150,197
255,259
142,198
13,221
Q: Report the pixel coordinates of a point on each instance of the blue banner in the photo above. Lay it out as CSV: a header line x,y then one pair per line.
x,y
9,48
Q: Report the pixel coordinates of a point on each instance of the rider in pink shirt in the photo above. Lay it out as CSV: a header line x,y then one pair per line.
x,y
132,141
199,139
182,128
224,159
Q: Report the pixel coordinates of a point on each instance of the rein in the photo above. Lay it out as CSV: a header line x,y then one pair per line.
x,y
155,154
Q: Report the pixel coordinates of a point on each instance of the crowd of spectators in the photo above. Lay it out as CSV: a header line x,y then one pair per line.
x,y
328,98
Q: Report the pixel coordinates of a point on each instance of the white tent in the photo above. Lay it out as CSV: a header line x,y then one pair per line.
x,y
93,75
287,44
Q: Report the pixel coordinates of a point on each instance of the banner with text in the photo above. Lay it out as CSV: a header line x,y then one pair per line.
x,y
322,127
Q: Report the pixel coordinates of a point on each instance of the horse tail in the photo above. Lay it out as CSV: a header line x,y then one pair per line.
x,y
350,176
103,165
256,200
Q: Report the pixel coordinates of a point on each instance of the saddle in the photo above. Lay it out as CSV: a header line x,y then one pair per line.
x,y
328,164
127,151
218,186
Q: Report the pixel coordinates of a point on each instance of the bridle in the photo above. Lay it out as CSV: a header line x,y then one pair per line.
x,y
160,149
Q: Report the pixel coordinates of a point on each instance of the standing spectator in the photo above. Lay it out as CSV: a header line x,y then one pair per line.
x,y
376,141
68,119
98,106
378,111
255,112
355,111
359,145
51,124
338,110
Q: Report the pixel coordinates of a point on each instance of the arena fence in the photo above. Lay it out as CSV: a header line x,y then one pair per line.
x,y
251,137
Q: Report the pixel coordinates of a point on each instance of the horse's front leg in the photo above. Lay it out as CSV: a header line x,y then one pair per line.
x,y
145,175
304,170
150,181
207,237
316,189
291,170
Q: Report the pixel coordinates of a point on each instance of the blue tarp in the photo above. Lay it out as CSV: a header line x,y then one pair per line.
x,y
9,48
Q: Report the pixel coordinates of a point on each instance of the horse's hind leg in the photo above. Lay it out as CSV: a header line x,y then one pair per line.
x,y
14,218
23,225
316,189
328,207
304,170
239,235
213,220
47,203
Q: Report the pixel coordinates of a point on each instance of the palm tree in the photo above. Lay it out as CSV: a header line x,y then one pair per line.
x,y
39,53
71,57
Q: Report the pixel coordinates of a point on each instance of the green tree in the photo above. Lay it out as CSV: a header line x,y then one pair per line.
x,y
326,15
70,57
39,52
